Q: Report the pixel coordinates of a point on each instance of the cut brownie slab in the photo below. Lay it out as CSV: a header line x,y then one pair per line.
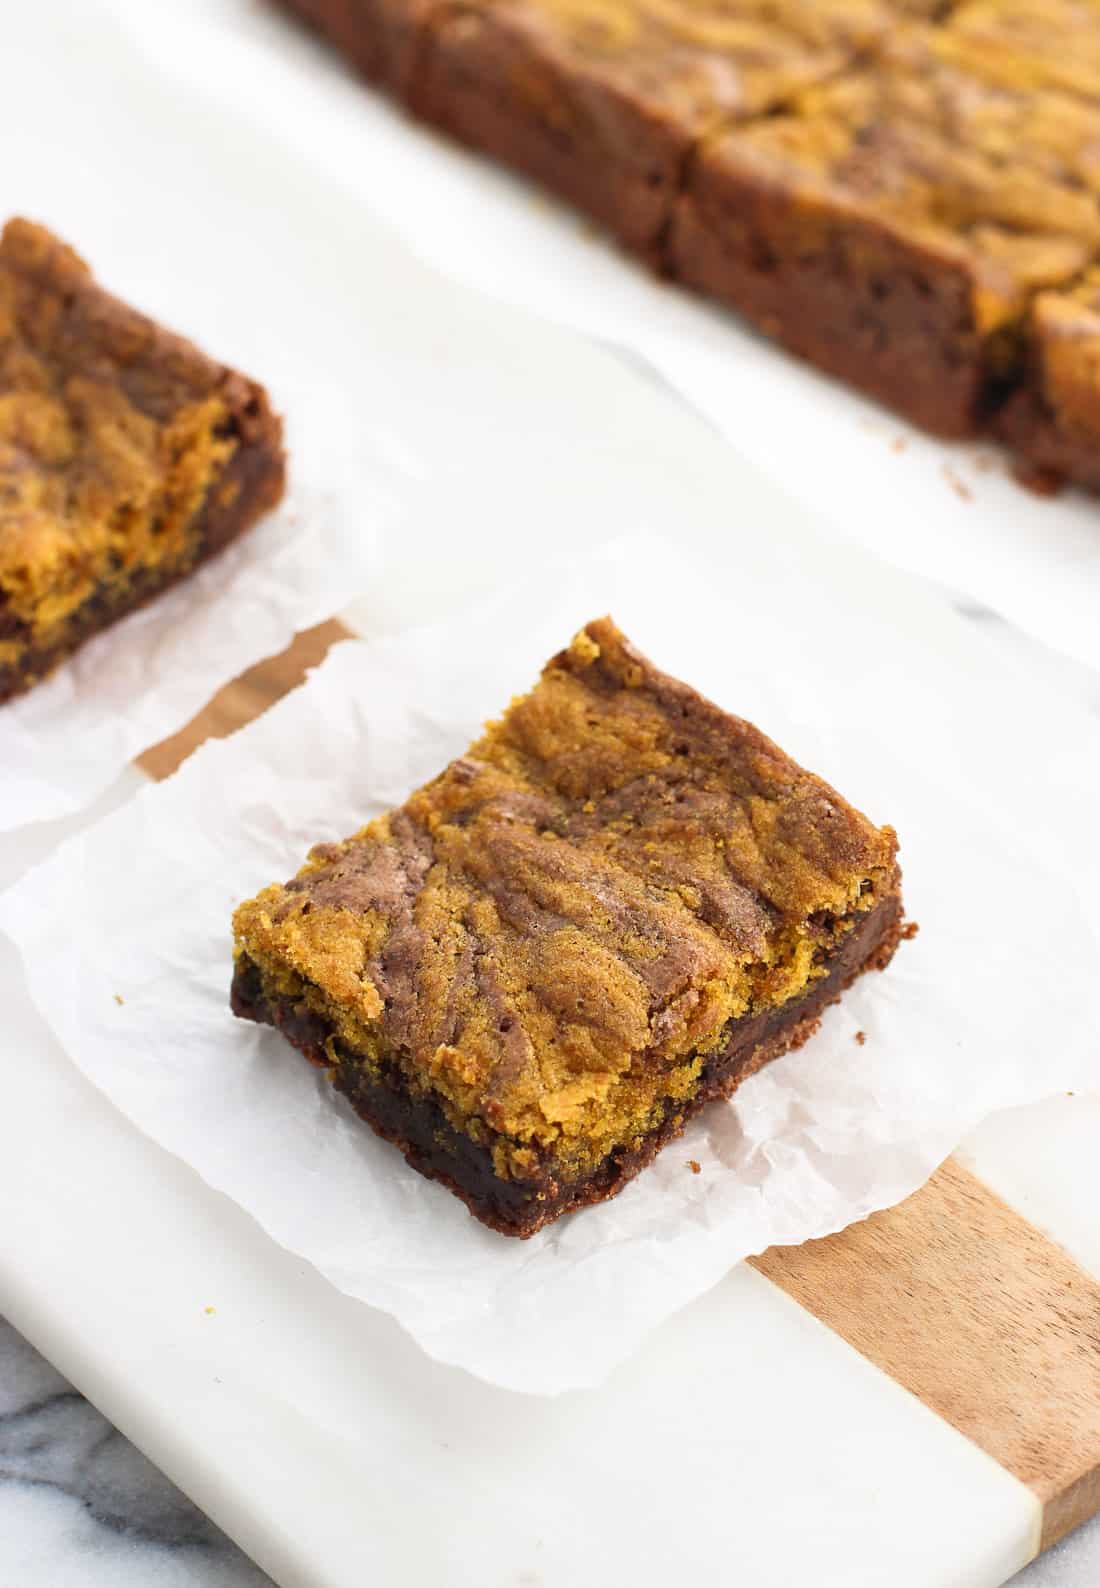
x,y
602,102
619,903
127,457
893,226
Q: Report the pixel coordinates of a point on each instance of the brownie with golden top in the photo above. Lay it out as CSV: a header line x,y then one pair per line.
x,y
894,225
127,457
619,903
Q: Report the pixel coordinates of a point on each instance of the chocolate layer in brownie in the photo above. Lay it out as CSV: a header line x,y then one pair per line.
x,y
127,457
554,943
433,1146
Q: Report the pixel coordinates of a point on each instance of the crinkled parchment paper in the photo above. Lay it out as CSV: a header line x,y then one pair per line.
x,y
125,937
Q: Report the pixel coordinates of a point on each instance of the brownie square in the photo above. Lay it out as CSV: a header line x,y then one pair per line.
x,y
127,457
894,224
602,103
619,903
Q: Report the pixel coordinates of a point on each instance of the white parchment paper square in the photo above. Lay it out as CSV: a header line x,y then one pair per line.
x,y
126,943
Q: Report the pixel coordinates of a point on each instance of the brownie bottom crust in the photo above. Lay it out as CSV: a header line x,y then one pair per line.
x,y
432,1145
250,486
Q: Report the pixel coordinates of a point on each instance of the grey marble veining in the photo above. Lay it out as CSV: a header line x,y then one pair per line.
x,y
80,1507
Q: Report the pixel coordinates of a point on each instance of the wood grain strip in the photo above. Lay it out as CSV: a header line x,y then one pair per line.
x,y
979,1315
245,697
952,1294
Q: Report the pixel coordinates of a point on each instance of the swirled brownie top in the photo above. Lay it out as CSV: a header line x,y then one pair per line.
x,y
947,78
111,434
696,59
1030,44
553,933
1003,184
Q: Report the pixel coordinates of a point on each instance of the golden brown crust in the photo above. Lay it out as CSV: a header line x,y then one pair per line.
x,y
119,444
1031,45
694,61
552,936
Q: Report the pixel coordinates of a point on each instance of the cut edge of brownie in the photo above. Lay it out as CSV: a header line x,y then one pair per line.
x,y
888,315
432,1145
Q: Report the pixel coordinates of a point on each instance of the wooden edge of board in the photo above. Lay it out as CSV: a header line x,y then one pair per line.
x,y
981,1316
952,1294
245,698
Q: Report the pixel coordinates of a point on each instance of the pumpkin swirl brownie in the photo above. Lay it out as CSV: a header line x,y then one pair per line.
x,y
127,457
893,226
619,903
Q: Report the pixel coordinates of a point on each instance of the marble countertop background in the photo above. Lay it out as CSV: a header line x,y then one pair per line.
x,y
80,1507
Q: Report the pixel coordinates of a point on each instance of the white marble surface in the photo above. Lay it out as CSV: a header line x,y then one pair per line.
x,y
80,1507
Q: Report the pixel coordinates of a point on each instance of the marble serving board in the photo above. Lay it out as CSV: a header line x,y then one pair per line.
x,y
887,1407
916,1400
